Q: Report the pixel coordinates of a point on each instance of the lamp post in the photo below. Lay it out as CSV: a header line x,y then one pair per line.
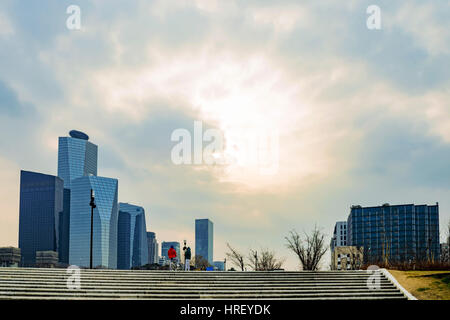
x,y
92,204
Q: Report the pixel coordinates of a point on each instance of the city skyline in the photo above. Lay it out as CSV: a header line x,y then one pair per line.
x,y
362,114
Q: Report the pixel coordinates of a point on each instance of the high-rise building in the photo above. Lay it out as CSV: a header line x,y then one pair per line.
x,y
397,233
339,238
132,248
77,157
165,246
105,221
41,201
204,239
152,245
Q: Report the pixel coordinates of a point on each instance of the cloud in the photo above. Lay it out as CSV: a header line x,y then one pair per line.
x,y
363,115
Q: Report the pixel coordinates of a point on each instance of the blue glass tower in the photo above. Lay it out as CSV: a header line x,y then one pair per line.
x,y
204,239
105,222
77,157
152,244
132,248
41,202
397,233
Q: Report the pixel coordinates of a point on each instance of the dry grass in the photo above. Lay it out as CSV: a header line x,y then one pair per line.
x,y
425,285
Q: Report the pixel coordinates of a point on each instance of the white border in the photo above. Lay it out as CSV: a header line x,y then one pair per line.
x,y
398,285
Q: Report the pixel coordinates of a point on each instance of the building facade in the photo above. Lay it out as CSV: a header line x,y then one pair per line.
x,y
347,258
152,245
10,257
132,249
204,239
46,259
339,238
105,222
165,246
41,201
397,233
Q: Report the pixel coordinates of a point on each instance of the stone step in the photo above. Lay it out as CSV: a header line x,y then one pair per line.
x,y
190,283
185,275
181,286
32,283
205,295
186,289
205,275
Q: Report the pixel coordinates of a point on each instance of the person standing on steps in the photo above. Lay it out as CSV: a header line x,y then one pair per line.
x,y
187,259
172,253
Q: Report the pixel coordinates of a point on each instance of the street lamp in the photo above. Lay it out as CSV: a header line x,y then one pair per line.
x,y
92,204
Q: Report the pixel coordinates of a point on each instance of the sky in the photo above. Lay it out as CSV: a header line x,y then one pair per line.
x,y
361,116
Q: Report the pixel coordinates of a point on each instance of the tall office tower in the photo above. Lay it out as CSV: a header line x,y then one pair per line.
x,y
123,241
132,248
398,233
339,235
152,245
41,201
165,246
105,222
204,239
77,157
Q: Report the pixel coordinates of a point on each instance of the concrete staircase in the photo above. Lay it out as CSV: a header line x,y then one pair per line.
x,y
29,283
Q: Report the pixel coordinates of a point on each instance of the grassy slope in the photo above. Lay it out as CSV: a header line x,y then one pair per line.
x,y
425,285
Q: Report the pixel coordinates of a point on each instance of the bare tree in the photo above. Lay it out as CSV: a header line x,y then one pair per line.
x,y
236,257
448,232
264,260
309,250
445,254
357,258
200,263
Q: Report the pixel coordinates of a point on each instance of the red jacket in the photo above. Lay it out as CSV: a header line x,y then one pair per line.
x,y
172,253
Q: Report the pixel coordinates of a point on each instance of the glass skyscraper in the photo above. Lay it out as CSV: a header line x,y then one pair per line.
x,y
77,157
204,239
105,221
41,202
397,233
132,249
152,244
